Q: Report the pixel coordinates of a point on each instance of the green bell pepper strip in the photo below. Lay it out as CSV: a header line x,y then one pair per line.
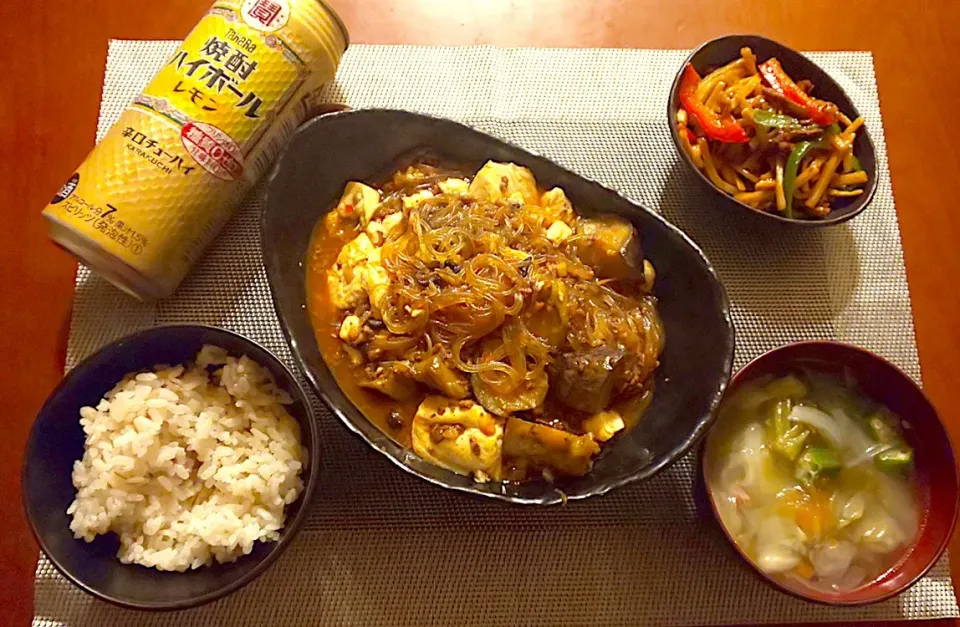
x,y
771,119
832,129
800,151
790,172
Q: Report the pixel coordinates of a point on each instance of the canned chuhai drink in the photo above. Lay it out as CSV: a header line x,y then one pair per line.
x,y
166,177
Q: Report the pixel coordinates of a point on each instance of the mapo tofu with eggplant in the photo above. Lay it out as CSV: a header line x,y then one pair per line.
x,y
482,322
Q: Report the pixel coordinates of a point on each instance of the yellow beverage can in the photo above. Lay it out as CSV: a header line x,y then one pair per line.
x,y
169,173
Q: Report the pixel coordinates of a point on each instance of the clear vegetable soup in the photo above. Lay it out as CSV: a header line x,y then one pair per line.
x,y
814,481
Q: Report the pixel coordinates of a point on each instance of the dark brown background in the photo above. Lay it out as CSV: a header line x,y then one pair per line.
x,y
52,56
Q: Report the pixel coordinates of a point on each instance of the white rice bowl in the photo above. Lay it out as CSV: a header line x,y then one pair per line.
x,y
188,464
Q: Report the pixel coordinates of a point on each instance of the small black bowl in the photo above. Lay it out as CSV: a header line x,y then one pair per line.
x,y
718,52
56,441
367,145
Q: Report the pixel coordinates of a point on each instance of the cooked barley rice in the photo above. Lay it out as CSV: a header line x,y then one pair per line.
x,y
188,464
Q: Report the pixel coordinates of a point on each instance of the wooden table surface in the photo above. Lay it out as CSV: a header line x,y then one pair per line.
x,y
53,60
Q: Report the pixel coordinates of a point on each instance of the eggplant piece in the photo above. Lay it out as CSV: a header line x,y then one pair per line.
x,y
385,345
437,373
586,380
611,246
528,395
391,382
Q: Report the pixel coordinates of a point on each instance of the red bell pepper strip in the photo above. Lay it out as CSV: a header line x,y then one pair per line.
x,y
725,129
820,112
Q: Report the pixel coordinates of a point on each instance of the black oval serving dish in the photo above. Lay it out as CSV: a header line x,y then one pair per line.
x,y
367,145
719,52
56,441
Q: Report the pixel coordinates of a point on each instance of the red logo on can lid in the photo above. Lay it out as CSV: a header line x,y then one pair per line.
x,y
213,149
265,15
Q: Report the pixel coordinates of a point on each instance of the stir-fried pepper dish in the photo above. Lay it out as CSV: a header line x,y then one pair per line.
x,y
767,141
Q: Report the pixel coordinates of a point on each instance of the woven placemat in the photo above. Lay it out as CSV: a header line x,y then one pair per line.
x,y
384,548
